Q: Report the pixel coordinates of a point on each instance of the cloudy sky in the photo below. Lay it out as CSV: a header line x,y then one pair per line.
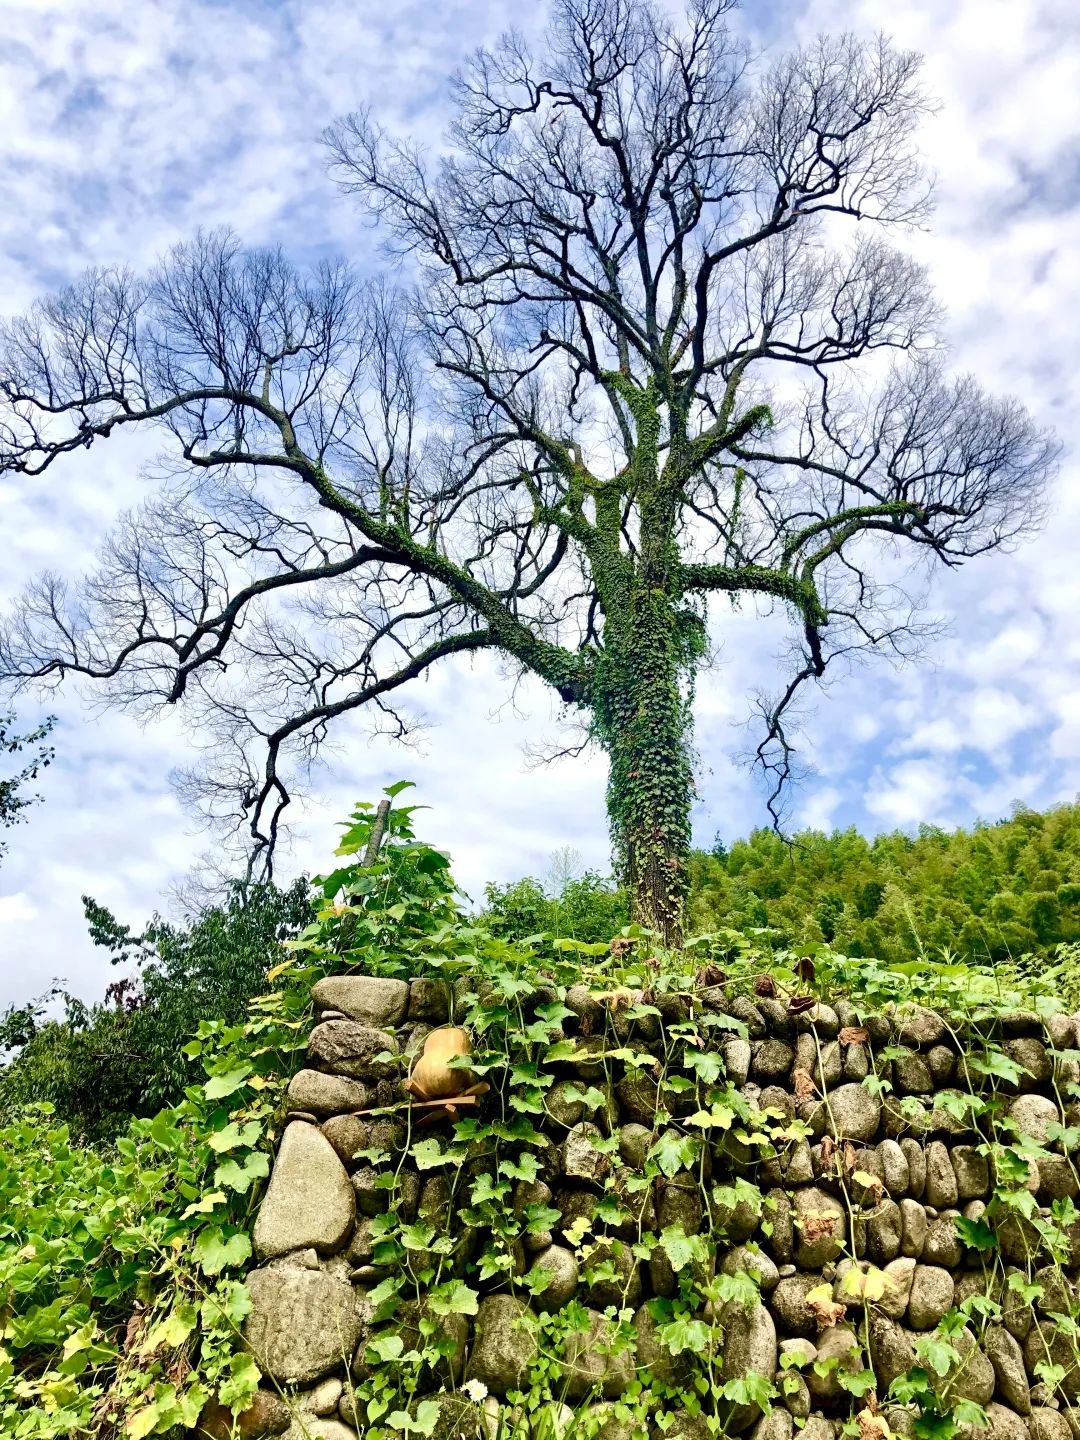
x,y
125,125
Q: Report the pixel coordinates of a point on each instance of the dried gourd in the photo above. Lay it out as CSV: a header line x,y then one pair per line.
x,y
432,1076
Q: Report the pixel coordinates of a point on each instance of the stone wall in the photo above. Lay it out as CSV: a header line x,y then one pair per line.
x,y
846,1176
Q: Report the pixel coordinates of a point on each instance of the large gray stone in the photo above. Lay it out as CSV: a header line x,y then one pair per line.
x,y
1045,1423
429,1000
892,1350
970,1376
559,1267
749,1348
778,1213
635,1142
736,1057
942,1064
931,1295
772,1060
595,1359
309,1200
776,1425
899,1277
904,1116
504,1344
838,1354
639,1096
788,1303
564,1103
370,999
1035,1064
325,1095
915,1025
820,1228
882,1229
911,1074
266,1415
915,1155
346,1047
896,1172
849,1112
942,1242
1007,1358
1033,1115
680,1203
828,1066
1046,1343
303,1323
1057,1178
582,1161
317,1427
1003,1423
972,1172
913,1228
750,1260
940,1177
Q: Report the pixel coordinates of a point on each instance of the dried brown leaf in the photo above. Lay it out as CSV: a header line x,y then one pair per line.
x,y
803,1081
854,1035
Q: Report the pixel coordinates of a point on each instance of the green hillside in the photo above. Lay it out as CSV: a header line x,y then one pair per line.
x,y
995,892
990,893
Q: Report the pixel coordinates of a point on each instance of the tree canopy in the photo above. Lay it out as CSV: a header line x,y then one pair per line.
x,y
654,351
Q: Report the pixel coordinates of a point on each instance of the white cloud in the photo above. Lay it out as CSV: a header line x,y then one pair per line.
x,y
17,909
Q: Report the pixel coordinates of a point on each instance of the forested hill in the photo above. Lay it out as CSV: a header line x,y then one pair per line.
x,y
996,891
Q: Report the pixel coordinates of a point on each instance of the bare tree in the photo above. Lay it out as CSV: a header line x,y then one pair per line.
x,y
659,351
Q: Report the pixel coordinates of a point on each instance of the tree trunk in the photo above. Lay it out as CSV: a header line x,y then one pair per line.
x,y
645,723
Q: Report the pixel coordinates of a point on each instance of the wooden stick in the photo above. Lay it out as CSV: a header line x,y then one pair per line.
x,y
371,854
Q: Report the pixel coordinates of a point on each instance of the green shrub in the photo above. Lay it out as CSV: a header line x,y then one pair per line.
x,y
99,1065
588,907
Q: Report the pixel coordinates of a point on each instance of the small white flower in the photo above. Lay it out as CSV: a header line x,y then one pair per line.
x,y
475,1389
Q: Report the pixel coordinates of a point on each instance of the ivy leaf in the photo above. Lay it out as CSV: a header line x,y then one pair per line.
x,y
241,1177
219,1086
526,1167
706,1065
674,1152
243,1380
997,1064
976,1234
454,1298
939,1354
684,1336
385,1348
681,1249
214,1251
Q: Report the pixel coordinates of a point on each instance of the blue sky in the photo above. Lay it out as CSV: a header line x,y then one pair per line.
x,y
124,126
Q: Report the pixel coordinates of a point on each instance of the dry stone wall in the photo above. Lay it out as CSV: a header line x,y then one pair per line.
x,y
843,1164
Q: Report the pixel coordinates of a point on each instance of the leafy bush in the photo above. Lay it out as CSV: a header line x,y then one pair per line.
x,y
121,1267
100,1065
587,907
